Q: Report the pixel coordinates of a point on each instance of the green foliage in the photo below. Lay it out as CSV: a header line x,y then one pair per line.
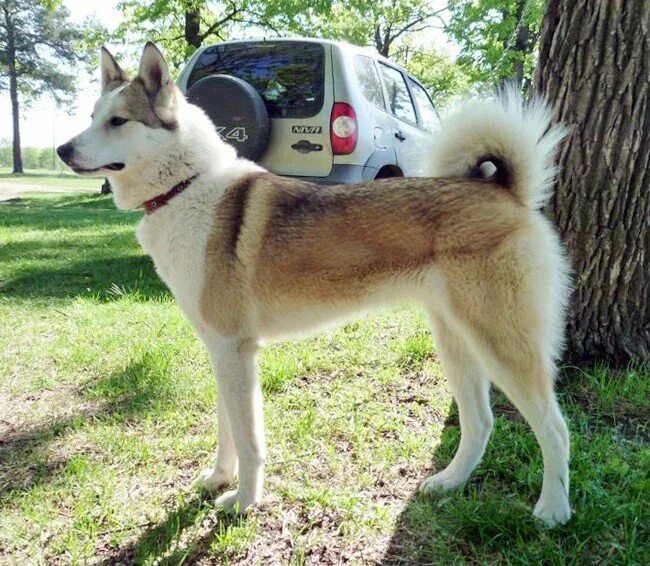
x,y
33,157
5,153
377,23
496,37
443,77
162,21
180,26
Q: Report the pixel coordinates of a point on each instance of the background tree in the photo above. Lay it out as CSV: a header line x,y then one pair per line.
x,y
182,26
38,47
443,77
595,66
498,38
377,23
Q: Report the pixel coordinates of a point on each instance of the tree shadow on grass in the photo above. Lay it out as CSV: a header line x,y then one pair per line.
x,y
25,458
491,513
489,520
99,279
55,210
183,537
95,254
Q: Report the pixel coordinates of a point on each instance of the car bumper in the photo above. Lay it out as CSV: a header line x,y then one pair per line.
x,y
342,174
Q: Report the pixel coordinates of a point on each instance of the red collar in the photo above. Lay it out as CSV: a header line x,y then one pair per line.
x,y
161,200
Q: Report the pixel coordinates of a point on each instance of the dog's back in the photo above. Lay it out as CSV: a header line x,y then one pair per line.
x,y
287,256
250,256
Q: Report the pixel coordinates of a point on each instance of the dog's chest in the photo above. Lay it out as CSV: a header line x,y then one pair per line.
x,y
177,242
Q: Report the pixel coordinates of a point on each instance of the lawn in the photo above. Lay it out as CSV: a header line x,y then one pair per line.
x,y
46,178
108,413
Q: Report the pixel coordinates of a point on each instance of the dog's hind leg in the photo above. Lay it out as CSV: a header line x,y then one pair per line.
x,y
471,390
241,394
531,391
512,354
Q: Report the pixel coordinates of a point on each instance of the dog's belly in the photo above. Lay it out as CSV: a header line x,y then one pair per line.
x,y
291,315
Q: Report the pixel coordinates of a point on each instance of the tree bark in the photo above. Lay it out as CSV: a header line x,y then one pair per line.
x,y
13,92
521,44
524,45
594,66
193,27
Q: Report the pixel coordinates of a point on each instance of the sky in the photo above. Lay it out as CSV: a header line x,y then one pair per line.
x,y
45,125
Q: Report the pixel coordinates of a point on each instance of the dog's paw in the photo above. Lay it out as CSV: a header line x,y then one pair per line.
x,y
233,502
442,481
553,512
212,480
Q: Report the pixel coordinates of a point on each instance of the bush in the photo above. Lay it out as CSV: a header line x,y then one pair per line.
x,y
33,157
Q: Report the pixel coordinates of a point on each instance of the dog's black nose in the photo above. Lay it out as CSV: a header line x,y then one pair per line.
x,y
65,151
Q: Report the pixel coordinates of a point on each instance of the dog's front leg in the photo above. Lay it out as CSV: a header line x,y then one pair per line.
x,y
241,396
225,466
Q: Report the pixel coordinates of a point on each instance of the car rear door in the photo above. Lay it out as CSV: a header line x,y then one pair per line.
x,y
409,140
300,139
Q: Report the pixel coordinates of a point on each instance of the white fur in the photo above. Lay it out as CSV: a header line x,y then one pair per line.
x,y
521,134
175,236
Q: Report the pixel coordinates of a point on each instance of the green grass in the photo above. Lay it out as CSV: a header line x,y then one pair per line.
x,y
108,414
46,178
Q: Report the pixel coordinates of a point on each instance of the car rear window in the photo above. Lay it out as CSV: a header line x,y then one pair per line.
x,y
289,76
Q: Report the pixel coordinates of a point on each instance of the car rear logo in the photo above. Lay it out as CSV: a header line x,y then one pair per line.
x,y
306,129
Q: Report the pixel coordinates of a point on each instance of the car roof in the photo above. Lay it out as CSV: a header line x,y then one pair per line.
x,y
344,45
341,44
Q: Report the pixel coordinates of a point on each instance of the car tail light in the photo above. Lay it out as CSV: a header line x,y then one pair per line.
x,y
343,129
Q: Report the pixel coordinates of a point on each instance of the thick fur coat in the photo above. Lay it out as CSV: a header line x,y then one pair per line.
x,y
252,257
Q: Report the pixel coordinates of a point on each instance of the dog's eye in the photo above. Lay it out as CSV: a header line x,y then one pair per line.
x,y
117,121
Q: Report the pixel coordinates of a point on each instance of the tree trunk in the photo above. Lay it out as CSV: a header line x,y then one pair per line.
x,y
524,44
594,66
521,44
193,28
382,41
13,92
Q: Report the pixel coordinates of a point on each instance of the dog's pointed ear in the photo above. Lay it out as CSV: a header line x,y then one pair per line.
x,y
112,74
157,83
153,71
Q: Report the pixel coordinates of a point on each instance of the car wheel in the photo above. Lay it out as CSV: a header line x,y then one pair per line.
x,y
388,171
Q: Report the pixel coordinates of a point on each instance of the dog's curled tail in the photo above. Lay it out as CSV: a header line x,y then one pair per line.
x,y
516,137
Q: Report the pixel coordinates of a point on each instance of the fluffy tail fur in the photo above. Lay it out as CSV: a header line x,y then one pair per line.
x,y
516,137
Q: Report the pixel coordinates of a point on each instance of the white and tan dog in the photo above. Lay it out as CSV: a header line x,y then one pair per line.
x,y
254,257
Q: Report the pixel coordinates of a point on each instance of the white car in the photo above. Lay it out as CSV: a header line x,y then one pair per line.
x,y
321,110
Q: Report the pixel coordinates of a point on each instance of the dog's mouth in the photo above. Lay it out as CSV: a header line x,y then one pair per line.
x,y
114,166
117,166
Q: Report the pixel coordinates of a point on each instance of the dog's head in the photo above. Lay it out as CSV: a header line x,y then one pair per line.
x,y
134,123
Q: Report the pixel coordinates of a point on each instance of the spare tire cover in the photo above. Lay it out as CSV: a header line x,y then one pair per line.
x,y
237,111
